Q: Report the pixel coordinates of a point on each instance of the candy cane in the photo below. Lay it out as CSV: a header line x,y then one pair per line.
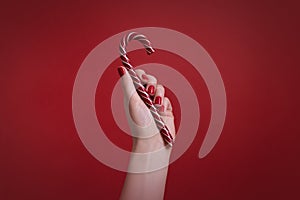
x,y
163,129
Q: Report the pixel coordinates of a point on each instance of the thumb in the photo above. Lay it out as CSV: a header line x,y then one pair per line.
x,y
126,81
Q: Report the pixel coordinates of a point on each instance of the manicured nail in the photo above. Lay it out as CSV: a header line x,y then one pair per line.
x,y
157,100
121,71
151,90
145,77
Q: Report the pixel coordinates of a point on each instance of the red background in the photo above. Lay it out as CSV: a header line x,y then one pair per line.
x,y
254,45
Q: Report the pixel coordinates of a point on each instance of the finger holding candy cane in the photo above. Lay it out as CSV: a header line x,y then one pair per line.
x,y
148,81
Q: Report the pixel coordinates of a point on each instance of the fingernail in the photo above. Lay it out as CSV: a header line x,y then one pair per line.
x,y
121,71
145,77
157,100
151,90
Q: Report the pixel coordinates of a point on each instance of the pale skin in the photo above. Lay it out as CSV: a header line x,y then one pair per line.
x,y
148,185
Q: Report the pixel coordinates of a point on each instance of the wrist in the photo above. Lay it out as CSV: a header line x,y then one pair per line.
x,y
148,156
146,145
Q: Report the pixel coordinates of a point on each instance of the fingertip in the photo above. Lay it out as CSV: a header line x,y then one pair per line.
x,y
126,81
121,71
151,90
158,100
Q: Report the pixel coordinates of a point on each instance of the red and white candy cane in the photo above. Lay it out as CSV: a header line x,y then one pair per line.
x,y
164,131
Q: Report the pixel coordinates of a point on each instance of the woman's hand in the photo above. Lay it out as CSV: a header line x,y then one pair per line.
x,y
145,134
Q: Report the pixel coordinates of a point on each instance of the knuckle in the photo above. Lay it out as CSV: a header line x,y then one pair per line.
x,y
152,79
140,71
160,87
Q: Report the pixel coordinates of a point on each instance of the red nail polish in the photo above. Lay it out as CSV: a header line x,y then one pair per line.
x,y
151,90
145,77
121,71
157,100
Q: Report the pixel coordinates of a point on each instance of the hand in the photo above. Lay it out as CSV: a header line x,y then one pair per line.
x,y
145,134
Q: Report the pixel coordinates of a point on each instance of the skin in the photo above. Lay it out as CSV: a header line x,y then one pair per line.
x,y
150,185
